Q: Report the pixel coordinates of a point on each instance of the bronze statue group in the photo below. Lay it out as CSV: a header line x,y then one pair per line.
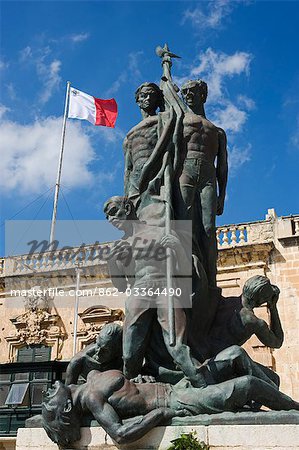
x,y
179,350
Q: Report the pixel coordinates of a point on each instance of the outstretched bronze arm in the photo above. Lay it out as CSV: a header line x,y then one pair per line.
x,y
108,418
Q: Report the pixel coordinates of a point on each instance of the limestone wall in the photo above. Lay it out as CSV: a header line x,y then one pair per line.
x,y
272,249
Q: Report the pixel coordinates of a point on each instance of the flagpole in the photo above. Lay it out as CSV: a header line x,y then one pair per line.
x,y
78,276
57,185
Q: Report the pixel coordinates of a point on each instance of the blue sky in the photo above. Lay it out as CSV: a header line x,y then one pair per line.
x,y
246,50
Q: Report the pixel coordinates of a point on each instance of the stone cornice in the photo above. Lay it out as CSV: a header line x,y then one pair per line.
x,y
243,257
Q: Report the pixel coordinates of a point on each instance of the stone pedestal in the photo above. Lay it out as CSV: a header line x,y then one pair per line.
x,y
7,443
218,437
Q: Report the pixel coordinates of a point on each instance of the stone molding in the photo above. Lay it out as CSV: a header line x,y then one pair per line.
x,y
94,318
249,256
36,327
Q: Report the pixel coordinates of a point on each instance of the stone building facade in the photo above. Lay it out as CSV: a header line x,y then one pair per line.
x,y
268,247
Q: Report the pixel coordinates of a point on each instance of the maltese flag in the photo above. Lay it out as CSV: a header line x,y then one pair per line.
x,y
95,110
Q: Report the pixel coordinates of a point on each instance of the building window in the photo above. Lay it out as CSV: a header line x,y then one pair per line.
x,y
4,390
24,389
34,353
22,384
17,395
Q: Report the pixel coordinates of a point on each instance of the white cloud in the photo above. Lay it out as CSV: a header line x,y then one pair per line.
x,y
134,64
132,72
237,157
11,91
291,100
109,176
74,38
230,119
25,54
3,110
112,135
247,102
233,64
49,74
215,67
80,37
30,155
108,135
213,16
295,137
47,68
3,64
116,85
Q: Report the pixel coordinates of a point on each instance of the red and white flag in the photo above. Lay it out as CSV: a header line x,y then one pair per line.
x,y
95,110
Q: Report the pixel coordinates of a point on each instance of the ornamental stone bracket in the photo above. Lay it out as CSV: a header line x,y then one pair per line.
x,y
245,257
36,327
94,318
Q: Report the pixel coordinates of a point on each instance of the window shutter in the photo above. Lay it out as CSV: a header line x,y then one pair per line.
x,y
42,353
34,353
25,354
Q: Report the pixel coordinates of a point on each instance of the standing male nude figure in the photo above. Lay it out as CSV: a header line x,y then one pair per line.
x,y
143,310
141,139
202,183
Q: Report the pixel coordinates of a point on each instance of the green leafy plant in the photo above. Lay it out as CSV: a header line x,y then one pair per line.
x,y
188,442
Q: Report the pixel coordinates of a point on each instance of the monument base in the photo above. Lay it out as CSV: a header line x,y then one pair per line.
x,y
259,434
7,443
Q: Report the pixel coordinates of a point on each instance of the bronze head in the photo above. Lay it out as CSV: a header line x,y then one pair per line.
x,y
149,98
194,92
60,421
118,210
258,290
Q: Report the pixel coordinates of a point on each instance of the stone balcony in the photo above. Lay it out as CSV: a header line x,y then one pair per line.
x,y
234,238
51,261
257,232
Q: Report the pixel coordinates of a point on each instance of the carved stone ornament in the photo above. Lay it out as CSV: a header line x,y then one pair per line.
x,y
94,318
36,327
38,299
